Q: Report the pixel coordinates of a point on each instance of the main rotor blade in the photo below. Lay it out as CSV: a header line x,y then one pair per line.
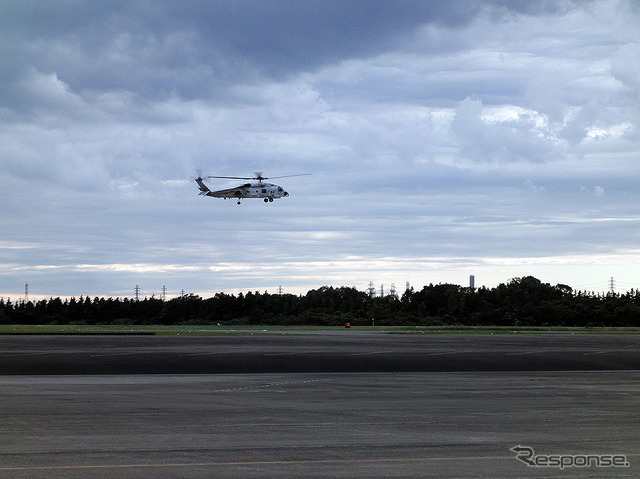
x,y
286,176
257,177
234,177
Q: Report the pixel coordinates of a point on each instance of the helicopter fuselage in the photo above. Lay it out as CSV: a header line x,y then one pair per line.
x,y
267,191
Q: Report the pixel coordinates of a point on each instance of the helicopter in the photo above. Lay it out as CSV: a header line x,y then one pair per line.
x,y
259,189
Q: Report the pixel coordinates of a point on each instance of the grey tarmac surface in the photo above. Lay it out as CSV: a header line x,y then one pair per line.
x,y
457,422
346,351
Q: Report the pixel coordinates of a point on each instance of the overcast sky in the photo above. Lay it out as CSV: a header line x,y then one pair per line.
x,y
445,139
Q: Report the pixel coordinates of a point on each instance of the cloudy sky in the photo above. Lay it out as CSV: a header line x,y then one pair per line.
x,y
494,138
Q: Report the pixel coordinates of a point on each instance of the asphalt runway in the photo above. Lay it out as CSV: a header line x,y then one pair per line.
x,y
472,400
345,351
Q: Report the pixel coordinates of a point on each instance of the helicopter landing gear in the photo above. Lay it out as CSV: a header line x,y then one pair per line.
x,y
238,201
268,200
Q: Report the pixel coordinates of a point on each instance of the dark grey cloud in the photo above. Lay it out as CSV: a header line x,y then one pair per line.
x,y
197,49
177,47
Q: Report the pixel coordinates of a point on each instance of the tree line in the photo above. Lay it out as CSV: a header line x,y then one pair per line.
x,y
520,302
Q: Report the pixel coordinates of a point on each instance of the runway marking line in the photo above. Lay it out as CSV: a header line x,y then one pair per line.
x,y
210,353
449,352
125,353
523,353
370,352
293,353
265,386
601,352
255,463
264,463
38,353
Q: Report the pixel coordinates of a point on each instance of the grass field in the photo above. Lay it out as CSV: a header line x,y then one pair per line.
x,y
211,330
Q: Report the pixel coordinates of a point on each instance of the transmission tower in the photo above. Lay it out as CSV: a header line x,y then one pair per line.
x,y
612,286
382,290
392,291
26,292
137,291
164,293
371,290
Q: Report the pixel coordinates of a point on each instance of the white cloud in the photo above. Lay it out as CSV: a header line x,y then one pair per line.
x,y
520,136
626,68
